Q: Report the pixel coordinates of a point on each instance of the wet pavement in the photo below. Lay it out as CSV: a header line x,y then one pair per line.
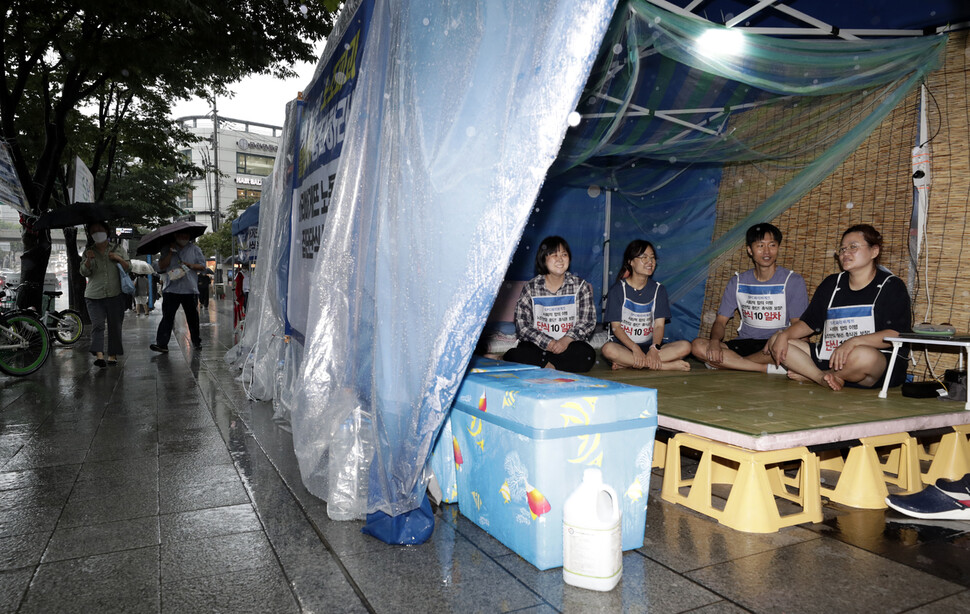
x,y
156,486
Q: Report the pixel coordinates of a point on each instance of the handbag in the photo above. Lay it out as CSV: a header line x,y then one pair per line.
x,y
127,286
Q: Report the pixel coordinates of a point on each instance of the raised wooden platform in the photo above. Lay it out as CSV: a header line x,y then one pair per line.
x,y
769,438
770,412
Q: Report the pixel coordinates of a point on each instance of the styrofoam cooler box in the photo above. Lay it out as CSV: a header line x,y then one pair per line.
x,y
524,439
442,459
480,364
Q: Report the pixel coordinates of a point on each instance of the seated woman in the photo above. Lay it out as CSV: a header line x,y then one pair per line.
x,y
636,310
854,310
555,315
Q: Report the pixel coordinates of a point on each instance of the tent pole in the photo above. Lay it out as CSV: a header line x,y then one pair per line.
x,y
921,198
606,249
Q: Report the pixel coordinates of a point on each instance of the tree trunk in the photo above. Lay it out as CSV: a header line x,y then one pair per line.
x,y
75,281
33,266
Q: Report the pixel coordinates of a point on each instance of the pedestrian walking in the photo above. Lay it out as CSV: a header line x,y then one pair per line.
x,y
180,262
103,296
141,295
204,282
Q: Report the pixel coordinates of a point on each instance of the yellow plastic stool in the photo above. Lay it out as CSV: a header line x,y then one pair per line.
x,y
756,478
951,459
659,454
863,477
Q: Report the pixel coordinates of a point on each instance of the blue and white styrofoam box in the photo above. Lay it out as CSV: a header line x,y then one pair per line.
x,y
522,441
480,364
442,459
442,463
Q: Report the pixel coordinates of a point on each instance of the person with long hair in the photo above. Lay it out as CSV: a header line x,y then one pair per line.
x,y
637,309
102,294
853,310
555,314
768,298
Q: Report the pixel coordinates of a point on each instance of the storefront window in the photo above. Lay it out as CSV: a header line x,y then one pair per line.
x,y
253,164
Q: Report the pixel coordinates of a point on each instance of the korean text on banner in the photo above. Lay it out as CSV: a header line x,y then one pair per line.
x,y
320,139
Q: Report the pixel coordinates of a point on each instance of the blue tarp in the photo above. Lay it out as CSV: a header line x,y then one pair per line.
x,y
248,218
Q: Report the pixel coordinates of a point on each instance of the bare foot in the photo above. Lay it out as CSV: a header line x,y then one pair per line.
x,y
675,365
617,366
833,381
798,377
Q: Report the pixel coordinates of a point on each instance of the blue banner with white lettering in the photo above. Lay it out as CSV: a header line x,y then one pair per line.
x,y
319,143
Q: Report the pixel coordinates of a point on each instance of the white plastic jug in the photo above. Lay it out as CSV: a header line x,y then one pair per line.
x,y
592,546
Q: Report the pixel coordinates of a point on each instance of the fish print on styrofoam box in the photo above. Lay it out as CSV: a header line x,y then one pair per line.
x,y
446,455
527,436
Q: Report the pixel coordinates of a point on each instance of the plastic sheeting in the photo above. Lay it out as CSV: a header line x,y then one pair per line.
x,y
459,110
260,351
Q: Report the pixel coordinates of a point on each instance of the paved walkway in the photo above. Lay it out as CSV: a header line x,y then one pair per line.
x,y
156,486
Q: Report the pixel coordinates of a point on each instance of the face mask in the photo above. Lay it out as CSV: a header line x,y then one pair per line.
x,y
99,237
182,242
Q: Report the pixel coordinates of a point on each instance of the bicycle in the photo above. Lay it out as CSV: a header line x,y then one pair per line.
x,y
66,325
25,343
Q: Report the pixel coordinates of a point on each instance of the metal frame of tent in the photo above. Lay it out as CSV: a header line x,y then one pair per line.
x,y
816,26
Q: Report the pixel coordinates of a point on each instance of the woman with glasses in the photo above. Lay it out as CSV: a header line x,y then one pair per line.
x,y
555,315
853,310
636,311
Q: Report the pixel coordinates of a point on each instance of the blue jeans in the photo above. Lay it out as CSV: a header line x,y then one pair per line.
x,y
170,306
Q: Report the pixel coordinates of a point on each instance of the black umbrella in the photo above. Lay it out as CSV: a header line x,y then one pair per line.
x,y
79,214
153,242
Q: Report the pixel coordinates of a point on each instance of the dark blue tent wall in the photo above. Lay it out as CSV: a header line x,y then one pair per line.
x,y
678,219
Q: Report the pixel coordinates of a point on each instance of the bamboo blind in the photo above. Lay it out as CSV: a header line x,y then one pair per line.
x,y
874,185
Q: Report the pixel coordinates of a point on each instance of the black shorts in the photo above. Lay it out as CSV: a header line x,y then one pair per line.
x,y
896,378
746,347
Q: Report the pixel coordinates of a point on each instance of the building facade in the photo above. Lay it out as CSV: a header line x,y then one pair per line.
x,y
242,151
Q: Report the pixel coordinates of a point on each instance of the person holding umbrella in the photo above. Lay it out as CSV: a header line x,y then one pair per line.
x,y
103,296
180,262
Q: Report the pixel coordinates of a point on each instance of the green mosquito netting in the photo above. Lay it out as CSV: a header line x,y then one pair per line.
x,y
672,96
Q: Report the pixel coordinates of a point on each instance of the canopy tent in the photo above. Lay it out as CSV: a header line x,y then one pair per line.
x,y
386,260
245,229
246,220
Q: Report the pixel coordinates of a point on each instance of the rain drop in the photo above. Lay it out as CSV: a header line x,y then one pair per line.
x,y
849,205
673,159
426,21
304,9
771,414
618,48
593,191
574,118
340,78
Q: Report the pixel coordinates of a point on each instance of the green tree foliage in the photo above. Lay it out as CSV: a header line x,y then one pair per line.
x,y
59,56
